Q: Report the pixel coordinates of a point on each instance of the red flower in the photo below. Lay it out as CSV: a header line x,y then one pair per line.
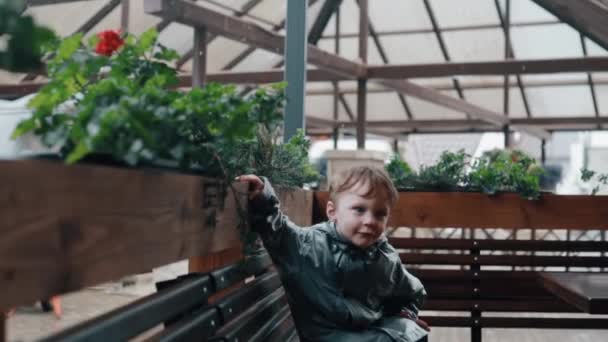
x,y
109,41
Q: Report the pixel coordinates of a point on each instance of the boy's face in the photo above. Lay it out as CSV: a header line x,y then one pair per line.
x,y
361,220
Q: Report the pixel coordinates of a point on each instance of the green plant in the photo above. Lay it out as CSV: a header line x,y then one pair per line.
x,y
25,41
447,174
400,172
601,179
503,170
494,171
117,97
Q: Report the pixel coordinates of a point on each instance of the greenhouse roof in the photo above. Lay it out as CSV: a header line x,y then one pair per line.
x,y
432,65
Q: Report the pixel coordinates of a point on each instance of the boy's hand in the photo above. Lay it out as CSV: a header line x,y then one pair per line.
x,y
409,315
424,325
256,184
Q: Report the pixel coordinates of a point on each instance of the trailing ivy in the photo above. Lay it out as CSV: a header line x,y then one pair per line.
x,y
495,171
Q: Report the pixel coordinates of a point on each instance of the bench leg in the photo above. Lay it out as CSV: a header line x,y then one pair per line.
x,y
476,334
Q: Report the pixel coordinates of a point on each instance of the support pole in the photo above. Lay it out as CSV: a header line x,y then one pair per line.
x,y
199,67
362,82
124,16
296,44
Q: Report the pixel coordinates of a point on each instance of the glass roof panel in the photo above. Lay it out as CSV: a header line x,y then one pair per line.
x,y
349,48
109,22
450,13
380,106
493,99
320,106
258,60
272,10
593,49
527,11
601,93
349,19
424,110
474,46
384,106
178,37
227,48
139,21
412,48
54,16
559,101
554,41
391,15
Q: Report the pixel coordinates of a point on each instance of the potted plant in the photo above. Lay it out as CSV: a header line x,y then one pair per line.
x,y
116,99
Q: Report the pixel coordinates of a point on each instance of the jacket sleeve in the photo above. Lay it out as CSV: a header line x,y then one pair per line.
x,y
278,233
408,292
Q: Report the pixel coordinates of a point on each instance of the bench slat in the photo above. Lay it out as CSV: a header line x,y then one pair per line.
x,y
243,326
502,260
276,328
199,326
518,322
499,245
229,275
129,321
510,305
244,298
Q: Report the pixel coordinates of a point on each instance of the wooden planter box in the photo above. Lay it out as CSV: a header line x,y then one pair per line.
x,y
476,210
63,227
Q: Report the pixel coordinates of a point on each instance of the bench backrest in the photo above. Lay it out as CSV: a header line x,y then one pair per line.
x,y
477,275
239,302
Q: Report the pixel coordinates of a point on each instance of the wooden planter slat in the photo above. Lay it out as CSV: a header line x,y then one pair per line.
x,y
476,210
66,227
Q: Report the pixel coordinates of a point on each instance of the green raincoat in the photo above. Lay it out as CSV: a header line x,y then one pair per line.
x,y
337,291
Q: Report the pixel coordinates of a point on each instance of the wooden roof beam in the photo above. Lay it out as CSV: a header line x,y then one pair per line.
x,y
587,16
513,67
188,13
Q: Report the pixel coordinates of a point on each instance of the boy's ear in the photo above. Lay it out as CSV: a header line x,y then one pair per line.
x,y
330,210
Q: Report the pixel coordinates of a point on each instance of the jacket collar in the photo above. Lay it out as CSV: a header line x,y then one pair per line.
x,y
344,244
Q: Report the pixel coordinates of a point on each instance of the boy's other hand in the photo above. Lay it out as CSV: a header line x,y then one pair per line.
x,y
256,184
424,325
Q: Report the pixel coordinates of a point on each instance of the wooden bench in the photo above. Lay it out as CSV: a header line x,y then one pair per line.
x,y
479,276
240,302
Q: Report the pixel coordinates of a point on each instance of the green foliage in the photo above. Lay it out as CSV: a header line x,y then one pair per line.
x,y
26,41
125,106
601,179
493,172
401,173
447,174
501,170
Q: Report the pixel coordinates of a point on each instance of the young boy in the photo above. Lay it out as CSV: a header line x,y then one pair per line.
x,y
343,280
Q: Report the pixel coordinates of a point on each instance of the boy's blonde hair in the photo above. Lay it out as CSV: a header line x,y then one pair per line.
x,y
375,177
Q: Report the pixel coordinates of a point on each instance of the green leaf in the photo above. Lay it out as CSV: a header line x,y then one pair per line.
x,y
586,175
69,46
81,150
146,40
